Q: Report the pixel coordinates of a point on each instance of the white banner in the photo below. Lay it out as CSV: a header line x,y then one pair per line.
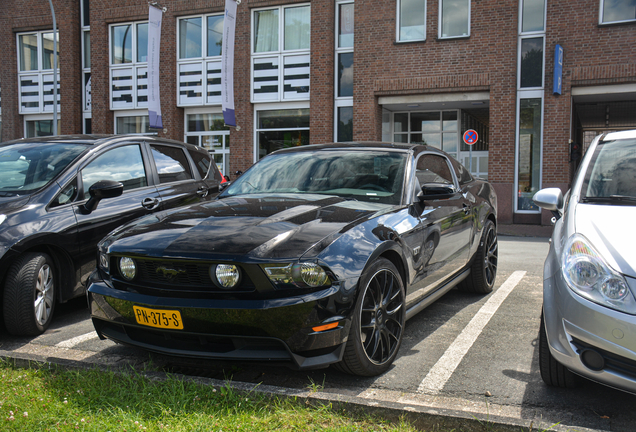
x,y
154,42
227,63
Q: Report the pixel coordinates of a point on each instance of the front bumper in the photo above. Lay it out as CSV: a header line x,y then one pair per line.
x,y
277,331
591,340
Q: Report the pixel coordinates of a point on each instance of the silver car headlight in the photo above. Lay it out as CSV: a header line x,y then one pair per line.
x,y
587,274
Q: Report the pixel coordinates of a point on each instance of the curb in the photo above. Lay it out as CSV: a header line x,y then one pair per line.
x,y
415,409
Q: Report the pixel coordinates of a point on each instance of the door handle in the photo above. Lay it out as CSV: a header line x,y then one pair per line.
x,y
150,203
202,192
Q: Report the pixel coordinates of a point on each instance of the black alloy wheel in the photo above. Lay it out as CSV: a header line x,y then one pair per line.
x,y
483,270
378,321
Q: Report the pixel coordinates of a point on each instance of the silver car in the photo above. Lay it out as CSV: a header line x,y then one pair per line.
x,y
588,326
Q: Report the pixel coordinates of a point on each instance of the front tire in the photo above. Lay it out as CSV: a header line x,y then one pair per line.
x,y
29,295
378,321
483,270
553,373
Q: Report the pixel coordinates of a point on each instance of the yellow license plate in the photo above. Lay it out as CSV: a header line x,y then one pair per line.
x,y
165,319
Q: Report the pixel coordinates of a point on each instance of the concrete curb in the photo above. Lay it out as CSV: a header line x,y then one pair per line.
x,y
424,412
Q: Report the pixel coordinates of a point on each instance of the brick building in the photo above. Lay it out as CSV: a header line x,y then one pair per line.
x,y
339,70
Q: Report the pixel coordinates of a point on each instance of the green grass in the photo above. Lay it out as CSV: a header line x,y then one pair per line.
x,y
41,399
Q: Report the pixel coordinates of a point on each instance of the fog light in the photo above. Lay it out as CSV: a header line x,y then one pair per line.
x,y
227,275
128,268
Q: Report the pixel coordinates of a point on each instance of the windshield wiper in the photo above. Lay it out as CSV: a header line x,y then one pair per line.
x,y
612,199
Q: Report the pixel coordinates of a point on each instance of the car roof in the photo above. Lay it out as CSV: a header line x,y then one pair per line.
x,y
628,134
95,140
403,147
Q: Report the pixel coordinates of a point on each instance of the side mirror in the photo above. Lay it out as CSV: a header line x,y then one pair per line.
x,y
238,173
224,186
100,190
436,191
550,199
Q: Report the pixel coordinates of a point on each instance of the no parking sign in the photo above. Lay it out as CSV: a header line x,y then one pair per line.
x,y
470,137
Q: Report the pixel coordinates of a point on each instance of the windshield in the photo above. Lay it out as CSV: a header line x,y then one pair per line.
x,y
25,168
610,176
365,175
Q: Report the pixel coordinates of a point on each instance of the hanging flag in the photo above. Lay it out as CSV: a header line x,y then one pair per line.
x,y
227,63
154,39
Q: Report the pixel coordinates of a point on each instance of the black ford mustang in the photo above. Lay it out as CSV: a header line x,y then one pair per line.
x,y
316,255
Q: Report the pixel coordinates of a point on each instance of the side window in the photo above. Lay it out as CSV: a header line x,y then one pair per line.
x,y
202,162
122,164
462,173
68,195
433,169
172,163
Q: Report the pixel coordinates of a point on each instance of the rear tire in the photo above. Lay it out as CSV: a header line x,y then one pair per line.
x,y
29,295
378,322
483,270
553,373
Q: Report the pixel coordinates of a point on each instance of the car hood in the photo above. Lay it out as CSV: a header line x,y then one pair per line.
x,y
608,228
261,227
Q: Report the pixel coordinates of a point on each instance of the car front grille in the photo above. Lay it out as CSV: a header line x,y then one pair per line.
x,y
176,277
613,362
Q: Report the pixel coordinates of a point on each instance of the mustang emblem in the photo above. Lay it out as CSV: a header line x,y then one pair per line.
x,y
170,273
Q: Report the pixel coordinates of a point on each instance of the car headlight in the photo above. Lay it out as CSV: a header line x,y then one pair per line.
x,y
302,274
227,275
127,268
586,273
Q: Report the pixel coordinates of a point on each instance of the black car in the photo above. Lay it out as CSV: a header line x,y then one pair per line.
x,y
315,255
51,218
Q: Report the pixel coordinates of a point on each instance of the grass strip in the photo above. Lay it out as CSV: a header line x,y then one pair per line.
x,y
37,399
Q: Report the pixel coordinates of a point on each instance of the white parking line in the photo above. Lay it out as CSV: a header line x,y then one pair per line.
x,y
70,343
446,365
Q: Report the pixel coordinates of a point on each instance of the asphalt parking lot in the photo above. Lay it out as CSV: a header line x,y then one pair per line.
x,y
469,354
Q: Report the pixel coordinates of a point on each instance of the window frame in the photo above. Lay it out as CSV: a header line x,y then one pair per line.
x,y
341,101
439,23
601,14
38,75
225,151
134,65
520,42
280,55
398,22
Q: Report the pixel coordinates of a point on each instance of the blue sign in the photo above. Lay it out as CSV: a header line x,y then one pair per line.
x,y
558,69
470,137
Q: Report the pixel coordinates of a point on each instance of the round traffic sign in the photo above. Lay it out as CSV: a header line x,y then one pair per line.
x,y
470,137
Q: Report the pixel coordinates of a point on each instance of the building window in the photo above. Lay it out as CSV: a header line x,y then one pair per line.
x,y
530,66
131,122
281,128
613,11
35,72
38,126
531,62
86,68
200,42
529,154
435,128
208,130
344,71
454,18
411,20
129,66
533,16
280,53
